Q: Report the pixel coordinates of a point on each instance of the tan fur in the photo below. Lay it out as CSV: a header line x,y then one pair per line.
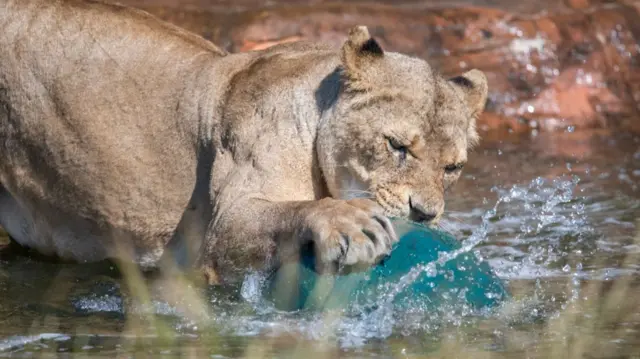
x,y
122,136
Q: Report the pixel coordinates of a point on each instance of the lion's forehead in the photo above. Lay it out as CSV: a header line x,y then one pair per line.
x,y
431,105
413,76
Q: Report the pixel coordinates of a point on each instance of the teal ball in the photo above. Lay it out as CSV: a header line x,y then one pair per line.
x,y
426,267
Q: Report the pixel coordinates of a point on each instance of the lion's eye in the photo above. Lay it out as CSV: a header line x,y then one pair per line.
x,y
454,167
400,148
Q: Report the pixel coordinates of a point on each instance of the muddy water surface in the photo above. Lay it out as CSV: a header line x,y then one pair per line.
x,y
556,215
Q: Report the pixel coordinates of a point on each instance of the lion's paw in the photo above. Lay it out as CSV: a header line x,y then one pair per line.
x,y
347,235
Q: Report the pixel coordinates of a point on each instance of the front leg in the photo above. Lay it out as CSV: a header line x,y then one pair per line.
x,y
258,234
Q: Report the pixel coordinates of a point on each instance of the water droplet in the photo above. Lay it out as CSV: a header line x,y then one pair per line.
x,y
566,268
431,271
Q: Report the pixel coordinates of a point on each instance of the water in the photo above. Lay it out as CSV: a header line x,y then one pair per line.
x,y
554,215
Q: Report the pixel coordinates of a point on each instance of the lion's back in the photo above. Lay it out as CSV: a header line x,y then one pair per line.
x,y
98,122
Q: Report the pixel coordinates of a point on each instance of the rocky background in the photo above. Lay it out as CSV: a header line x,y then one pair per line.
x,y
552,64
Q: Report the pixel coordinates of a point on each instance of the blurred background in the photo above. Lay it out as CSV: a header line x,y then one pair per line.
x,y
552,64
551,197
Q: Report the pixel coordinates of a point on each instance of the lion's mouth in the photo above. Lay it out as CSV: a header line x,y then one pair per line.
x,y
393,212
404,212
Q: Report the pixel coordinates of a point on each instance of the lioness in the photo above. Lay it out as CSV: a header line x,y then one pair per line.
x,y
122,136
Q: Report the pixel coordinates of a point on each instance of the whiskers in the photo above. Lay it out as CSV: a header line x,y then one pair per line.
x,y
389,210
447,224
356,193
456,217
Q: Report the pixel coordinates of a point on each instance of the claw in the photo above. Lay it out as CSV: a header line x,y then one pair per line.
x,y
344,245
386,224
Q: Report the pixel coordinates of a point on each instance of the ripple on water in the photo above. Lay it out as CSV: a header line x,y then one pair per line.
x,y
541,232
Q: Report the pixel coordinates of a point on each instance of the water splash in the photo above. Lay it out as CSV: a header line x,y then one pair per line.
x,y
539,231
530,230
534,220
549,222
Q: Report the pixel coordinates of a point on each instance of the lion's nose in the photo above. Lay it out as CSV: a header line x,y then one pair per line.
x,y
419,213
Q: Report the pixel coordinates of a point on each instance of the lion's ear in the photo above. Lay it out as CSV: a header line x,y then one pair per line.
x,y
474,85
358,53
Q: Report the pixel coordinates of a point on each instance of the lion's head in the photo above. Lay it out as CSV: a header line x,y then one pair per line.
x,y
398,132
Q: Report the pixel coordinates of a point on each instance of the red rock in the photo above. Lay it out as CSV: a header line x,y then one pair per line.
x,y
574,98
578,4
